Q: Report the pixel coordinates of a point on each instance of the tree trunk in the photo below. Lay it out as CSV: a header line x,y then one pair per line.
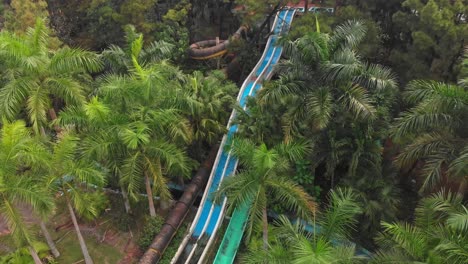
x,y
462,188
165,202
53,116
43,133
34,255
149,192
128,209
49,240
306,6
275,9
265,228
84,249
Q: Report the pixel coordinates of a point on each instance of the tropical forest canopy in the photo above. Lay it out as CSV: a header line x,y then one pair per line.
x,y
362,132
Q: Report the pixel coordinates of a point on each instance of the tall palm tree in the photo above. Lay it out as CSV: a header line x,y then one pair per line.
x,y
439,233
99,126
205,101
76,179
433,131
21,157
39,78
325,79
155,131
326,93
322,241
264,180
153,153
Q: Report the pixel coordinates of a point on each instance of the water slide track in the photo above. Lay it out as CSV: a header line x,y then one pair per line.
x,y
233,236
213,48
209,215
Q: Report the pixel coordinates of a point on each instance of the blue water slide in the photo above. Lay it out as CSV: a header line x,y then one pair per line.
x,y
233,236
194,247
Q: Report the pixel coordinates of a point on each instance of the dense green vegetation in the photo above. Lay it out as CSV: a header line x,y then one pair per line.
x,y
361,133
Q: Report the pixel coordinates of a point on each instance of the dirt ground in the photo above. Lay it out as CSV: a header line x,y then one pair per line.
x,y
105,242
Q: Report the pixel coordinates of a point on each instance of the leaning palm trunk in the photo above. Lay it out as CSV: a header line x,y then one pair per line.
x,y
49,240
149,192
164,202
84,249
34,255
462,187
53,117
265,228
128,209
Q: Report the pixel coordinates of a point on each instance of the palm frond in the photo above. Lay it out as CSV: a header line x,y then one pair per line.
x,y
377,77
67,60
292,196
160,186
13,94
344,65
96,110
348,35
173,158
135,134
393,256
156,51
68,89
358,102
458,167
305,252
424,146
132,173
409,238
459,221
453,247
340,216
320,106
37,104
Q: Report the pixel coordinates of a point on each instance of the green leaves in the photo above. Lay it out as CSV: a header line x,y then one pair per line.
x,y
39,76
135,134
438,234
21,157
299,241
265,181
349,34
68,60
340,217
435,125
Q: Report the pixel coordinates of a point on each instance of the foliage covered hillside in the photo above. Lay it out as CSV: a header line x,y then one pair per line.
x,y
361,133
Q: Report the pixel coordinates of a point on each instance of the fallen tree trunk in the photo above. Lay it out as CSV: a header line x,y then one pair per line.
x,y
175,218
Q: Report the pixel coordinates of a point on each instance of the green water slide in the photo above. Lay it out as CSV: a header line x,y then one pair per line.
x,y
233,236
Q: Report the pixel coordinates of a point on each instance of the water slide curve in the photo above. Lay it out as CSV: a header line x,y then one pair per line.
x,y
194,248
212,48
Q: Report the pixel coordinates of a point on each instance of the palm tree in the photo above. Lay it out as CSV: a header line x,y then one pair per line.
x,y
205,101
155,131
153,153
39,78
119,59
21,157
99,125
439,233
433,131
265,180
327,94
322,241
76,179
324,79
